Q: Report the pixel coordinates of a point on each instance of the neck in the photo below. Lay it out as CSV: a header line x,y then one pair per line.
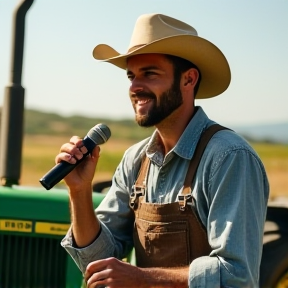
x,y
171,128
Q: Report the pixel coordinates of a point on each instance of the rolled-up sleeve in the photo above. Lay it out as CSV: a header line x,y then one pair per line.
x,y
102,247
204,272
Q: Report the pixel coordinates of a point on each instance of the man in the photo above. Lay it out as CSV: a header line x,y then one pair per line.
x,y
196,224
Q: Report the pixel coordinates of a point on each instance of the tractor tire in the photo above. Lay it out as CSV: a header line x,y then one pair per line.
x,y
274,264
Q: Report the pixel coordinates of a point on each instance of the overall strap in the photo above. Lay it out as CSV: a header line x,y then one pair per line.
x,y
186,195
139,188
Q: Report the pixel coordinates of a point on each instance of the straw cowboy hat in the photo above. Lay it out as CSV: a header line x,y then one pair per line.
x,y
157,33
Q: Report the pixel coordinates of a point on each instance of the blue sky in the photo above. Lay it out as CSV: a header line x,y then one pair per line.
x,y
60,75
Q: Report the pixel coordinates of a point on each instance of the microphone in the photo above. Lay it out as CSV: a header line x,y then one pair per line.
x,y
97,135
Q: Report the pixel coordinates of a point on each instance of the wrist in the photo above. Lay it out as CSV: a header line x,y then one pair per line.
x,y
82,190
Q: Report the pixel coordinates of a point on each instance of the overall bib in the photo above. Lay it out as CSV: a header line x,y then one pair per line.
x,y
169,235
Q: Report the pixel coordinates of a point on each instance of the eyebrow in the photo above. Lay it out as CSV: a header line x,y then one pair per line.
x,y
143,69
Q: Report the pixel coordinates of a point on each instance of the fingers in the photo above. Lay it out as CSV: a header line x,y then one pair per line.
x,y
93,267
65,157
98,272
99,279
112,273
77,141
72,151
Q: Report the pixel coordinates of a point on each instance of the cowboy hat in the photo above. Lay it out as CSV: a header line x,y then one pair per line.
x,y
157,33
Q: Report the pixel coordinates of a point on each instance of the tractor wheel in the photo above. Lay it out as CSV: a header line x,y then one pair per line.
x,y
274,265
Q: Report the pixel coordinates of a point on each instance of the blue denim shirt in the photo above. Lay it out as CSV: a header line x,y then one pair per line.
x,y
231,192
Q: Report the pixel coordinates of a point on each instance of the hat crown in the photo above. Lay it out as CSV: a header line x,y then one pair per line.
x,y
152,27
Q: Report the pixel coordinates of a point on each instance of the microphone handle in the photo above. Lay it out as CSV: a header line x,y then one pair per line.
x,y
60,170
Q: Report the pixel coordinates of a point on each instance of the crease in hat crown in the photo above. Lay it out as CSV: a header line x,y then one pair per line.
x,y
149,28
153,27
158,33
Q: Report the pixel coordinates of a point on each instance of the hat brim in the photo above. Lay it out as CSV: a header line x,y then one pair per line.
x,y
214,68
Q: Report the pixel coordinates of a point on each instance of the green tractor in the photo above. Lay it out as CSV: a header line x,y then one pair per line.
x,y
32,224
33,221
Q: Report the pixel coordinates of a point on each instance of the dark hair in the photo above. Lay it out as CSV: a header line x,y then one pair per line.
x,y
182,65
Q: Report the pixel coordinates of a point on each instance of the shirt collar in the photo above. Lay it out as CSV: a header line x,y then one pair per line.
x,y
186,144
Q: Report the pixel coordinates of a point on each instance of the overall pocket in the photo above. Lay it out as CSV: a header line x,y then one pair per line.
x,y
161,244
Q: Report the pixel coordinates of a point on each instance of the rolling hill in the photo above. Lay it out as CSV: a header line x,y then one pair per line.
x,y
44,123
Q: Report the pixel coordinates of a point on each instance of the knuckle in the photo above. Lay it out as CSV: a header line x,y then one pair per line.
x,y
75,140
63,147
89,269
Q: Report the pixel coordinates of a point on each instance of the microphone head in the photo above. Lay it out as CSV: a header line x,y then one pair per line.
x,y
99,134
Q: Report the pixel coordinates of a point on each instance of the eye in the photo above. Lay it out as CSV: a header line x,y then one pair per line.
x,y
150,73
130,77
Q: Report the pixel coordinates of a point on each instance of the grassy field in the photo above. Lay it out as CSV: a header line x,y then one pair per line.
x,y
275,159
39,153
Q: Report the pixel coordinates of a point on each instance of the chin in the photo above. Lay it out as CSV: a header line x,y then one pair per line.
x,y
142,120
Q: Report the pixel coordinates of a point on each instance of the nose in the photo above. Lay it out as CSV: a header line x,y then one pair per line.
x,y
136,86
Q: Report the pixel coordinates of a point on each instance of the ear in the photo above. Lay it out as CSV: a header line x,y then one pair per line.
x,y
190,77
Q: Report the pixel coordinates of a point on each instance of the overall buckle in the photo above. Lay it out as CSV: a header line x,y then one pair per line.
x,y
137,191
183,200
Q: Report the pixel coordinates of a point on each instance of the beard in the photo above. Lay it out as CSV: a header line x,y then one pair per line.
x,y
168,102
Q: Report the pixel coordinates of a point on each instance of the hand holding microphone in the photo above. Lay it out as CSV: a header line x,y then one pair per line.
x,y
97,135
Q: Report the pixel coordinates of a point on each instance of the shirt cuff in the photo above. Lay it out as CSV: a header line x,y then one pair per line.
x,y
204,272
101,248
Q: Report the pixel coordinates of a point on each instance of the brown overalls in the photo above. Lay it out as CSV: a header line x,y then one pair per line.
x,y
169,235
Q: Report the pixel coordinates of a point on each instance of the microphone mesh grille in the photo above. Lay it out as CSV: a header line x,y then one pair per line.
x,y
99,134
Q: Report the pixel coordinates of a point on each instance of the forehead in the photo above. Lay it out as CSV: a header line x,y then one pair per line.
x,y
159,61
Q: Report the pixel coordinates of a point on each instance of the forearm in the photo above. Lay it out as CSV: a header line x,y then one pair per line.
x,y
85,225
165,277
115,273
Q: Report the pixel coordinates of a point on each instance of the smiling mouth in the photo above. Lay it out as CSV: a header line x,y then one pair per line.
x,y
142,101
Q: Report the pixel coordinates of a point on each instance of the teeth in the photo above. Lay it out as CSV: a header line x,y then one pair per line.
x,y
143,101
